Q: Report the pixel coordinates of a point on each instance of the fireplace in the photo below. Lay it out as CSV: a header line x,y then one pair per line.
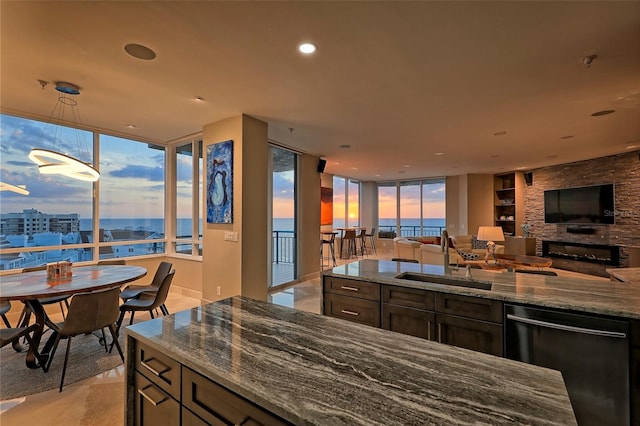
x,y
582,257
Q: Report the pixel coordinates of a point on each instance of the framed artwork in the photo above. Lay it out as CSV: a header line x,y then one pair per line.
x,y
326,206
220,182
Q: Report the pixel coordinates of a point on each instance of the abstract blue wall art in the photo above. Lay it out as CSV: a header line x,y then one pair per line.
x,y
220,182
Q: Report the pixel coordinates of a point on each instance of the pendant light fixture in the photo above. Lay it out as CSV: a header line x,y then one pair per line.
x,y
50,161
18,189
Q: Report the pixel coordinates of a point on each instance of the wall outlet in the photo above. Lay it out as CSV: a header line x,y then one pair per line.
x,y
231,236
218,291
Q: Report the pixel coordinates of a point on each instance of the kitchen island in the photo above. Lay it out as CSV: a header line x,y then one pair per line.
x,y
588,329
244,360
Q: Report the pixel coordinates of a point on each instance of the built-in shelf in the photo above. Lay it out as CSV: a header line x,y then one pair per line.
x,y
509,202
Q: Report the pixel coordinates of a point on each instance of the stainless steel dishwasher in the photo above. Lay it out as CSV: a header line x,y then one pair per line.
x,y
591,352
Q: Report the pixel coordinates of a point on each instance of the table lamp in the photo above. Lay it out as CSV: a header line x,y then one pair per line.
x,y
490,234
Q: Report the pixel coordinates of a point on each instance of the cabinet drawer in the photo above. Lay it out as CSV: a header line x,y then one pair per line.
x,y
154,406
352,309
409,297
352,288
158,368
469,307
219,406
190,419
470,334
409,321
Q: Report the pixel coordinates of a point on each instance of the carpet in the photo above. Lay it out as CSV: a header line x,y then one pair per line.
x,y
87,358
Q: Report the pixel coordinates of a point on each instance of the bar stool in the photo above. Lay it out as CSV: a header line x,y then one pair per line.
x,y
372,240
331,243
363,245
350,239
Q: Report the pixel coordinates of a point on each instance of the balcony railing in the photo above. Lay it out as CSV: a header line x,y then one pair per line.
x,y
284,246
411,231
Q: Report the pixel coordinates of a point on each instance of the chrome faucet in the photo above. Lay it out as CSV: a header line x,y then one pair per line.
x,y
444,244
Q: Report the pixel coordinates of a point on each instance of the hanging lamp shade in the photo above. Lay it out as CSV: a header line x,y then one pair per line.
x,y
51,161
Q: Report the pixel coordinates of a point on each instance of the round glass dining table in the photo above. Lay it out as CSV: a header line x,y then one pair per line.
x,y
28,287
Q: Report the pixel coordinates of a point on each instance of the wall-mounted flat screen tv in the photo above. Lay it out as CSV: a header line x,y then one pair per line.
x,y
581,205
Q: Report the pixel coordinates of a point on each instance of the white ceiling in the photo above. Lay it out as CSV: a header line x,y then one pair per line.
x,y
398,81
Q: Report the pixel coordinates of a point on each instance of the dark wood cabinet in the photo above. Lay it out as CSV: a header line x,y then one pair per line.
x,y
464,321
153,406
479,336
414,322
352,300
218,406
162,391
470,307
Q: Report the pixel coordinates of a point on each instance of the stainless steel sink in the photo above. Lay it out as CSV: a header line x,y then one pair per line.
x,y
460,282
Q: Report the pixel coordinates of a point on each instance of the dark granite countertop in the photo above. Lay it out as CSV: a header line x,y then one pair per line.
x,y
317,370
627,275
577,294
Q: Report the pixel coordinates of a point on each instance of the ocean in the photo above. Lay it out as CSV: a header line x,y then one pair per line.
x,y
279,224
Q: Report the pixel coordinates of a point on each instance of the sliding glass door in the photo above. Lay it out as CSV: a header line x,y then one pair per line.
x,y
283,216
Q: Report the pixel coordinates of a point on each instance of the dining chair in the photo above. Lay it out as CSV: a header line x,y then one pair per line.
x,y
133,291
330,242
10,335
147,301
112,262
88,312
5,306
63,301
372,239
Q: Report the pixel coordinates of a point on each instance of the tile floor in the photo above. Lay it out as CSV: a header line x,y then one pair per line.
x,y
99,401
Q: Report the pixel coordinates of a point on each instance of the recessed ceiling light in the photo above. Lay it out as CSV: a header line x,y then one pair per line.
x,y
632,146
603,112
520,168
139,51
354,168
131,126
345,146
406,166
439,153
501,133
307,48
377,175
567,137
198,99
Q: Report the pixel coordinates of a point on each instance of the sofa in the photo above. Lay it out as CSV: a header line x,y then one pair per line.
x,y
428,249
424,251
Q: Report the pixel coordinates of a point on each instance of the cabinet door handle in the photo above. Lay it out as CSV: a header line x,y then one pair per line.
x,y
428,330
355,314
440,332
346,287
158,372
156,399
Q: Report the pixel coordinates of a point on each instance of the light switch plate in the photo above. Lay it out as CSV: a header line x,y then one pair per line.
x,y
231,236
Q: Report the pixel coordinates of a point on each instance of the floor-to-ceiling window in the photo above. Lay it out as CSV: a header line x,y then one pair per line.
x,y
283,216
188,205
346,202
132,198
60,218
411,208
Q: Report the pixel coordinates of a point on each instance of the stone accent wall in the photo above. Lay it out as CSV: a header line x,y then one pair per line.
x,y
621,169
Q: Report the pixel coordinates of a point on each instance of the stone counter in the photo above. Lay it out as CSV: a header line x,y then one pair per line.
x,y
569,293
315,370
626,275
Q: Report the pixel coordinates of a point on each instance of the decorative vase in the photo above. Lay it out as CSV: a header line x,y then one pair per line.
x,y
525,230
